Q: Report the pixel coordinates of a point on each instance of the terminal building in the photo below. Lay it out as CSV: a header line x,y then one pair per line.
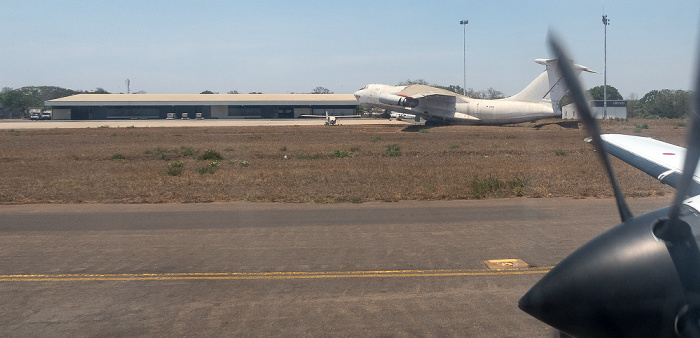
x,y
615,109
208,106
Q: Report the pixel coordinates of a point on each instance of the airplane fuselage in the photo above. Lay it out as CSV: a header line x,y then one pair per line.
x,y
457,109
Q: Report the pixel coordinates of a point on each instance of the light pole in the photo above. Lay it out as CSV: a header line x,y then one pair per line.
x,y
464,24
606,23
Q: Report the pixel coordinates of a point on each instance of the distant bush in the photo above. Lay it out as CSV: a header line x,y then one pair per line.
x,y
118,157
494,187
175,168
160,153
393,150
339,154
187,151
211,155
209,168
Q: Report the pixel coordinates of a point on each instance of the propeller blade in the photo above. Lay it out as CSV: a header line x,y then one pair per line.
x,y
572,82
677,234
692,156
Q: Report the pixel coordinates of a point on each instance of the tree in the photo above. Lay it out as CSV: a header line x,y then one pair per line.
x,y
612,93
207,92
595,93
453,88
232,92
412,82
321,90
493,94
665,103
17,101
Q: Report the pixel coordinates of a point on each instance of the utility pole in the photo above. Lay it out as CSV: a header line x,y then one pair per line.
x,y
464,24
606,23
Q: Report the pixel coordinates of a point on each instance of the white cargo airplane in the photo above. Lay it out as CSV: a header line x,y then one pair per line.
x,y
540,99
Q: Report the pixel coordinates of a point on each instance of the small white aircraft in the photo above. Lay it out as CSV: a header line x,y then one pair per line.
x,y
402,116
540,99
332,120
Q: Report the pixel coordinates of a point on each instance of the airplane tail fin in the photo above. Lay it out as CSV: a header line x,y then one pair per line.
x,y
548,85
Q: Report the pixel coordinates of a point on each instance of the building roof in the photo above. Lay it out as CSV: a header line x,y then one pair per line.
x,y
204,99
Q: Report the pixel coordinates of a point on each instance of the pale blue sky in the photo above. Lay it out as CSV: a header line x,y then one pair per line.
x,y
295,46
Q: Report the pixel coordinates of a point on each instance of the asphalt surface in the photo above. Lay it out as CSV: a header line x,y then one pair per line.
x,y
61,124
244,269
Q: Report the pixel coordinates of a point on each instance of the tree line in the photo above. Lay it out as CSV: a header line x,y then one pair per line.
x,y
15,103
663,103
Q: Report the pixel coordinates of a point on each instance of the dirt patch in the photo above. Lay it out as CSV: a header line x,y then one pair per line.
x,y
316,164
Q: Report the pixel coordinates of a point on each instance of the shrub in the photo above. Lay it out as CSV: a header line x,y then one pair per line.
x,y
160,153
560,153
211,155
209,168
175,168
393,150
339,154
118,157
490,186
187,151
480,188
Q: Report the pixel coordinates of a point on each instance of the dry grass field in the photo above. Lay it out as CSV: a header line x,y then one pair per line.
x,y
317,164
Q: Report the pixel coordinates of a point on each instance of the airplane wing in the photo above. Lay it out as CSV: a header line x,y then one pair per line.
x,y
438,101
658,159
418,91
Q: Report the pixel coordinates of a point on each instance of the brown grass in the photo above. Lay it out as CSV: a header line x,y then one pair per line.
x,y
130,165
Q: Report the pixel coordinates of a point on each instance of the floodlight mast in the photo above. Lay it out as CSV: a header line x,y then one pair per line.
x,y
464,24
606,23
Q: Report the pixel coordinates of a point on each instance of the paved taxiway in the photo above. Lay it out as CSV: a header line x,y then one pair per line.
x,y
61,124
244,269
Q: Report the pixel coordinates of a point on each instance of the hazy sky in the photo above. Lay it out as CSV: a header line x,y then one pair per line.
x,y
294,46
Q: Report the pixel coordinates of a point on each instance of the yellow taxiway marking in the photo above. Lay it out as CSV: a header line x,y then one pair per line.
x,y
267,275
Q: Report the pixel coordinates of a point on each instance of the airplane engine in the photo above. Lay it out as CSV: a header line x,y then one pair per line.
x,y
396,100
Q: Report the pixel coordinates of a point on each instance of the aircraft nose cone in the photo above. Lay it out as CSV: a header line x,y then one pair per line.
x,y
622,281
358,95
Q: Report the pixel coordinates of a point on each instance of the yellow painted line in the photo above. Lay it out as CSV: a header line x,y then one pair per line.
x,y
268,275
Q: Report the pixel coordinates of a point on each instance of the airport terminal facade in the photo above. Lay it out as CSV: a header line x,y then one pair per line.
x,y
208,106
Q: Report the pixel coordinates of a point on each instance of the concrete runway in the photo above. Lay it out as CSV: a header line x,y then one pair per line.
x,y
61,124
247,269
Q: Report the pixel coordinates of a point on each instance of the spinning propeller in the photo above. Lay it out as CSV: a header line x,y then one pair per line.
x,y
638,279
